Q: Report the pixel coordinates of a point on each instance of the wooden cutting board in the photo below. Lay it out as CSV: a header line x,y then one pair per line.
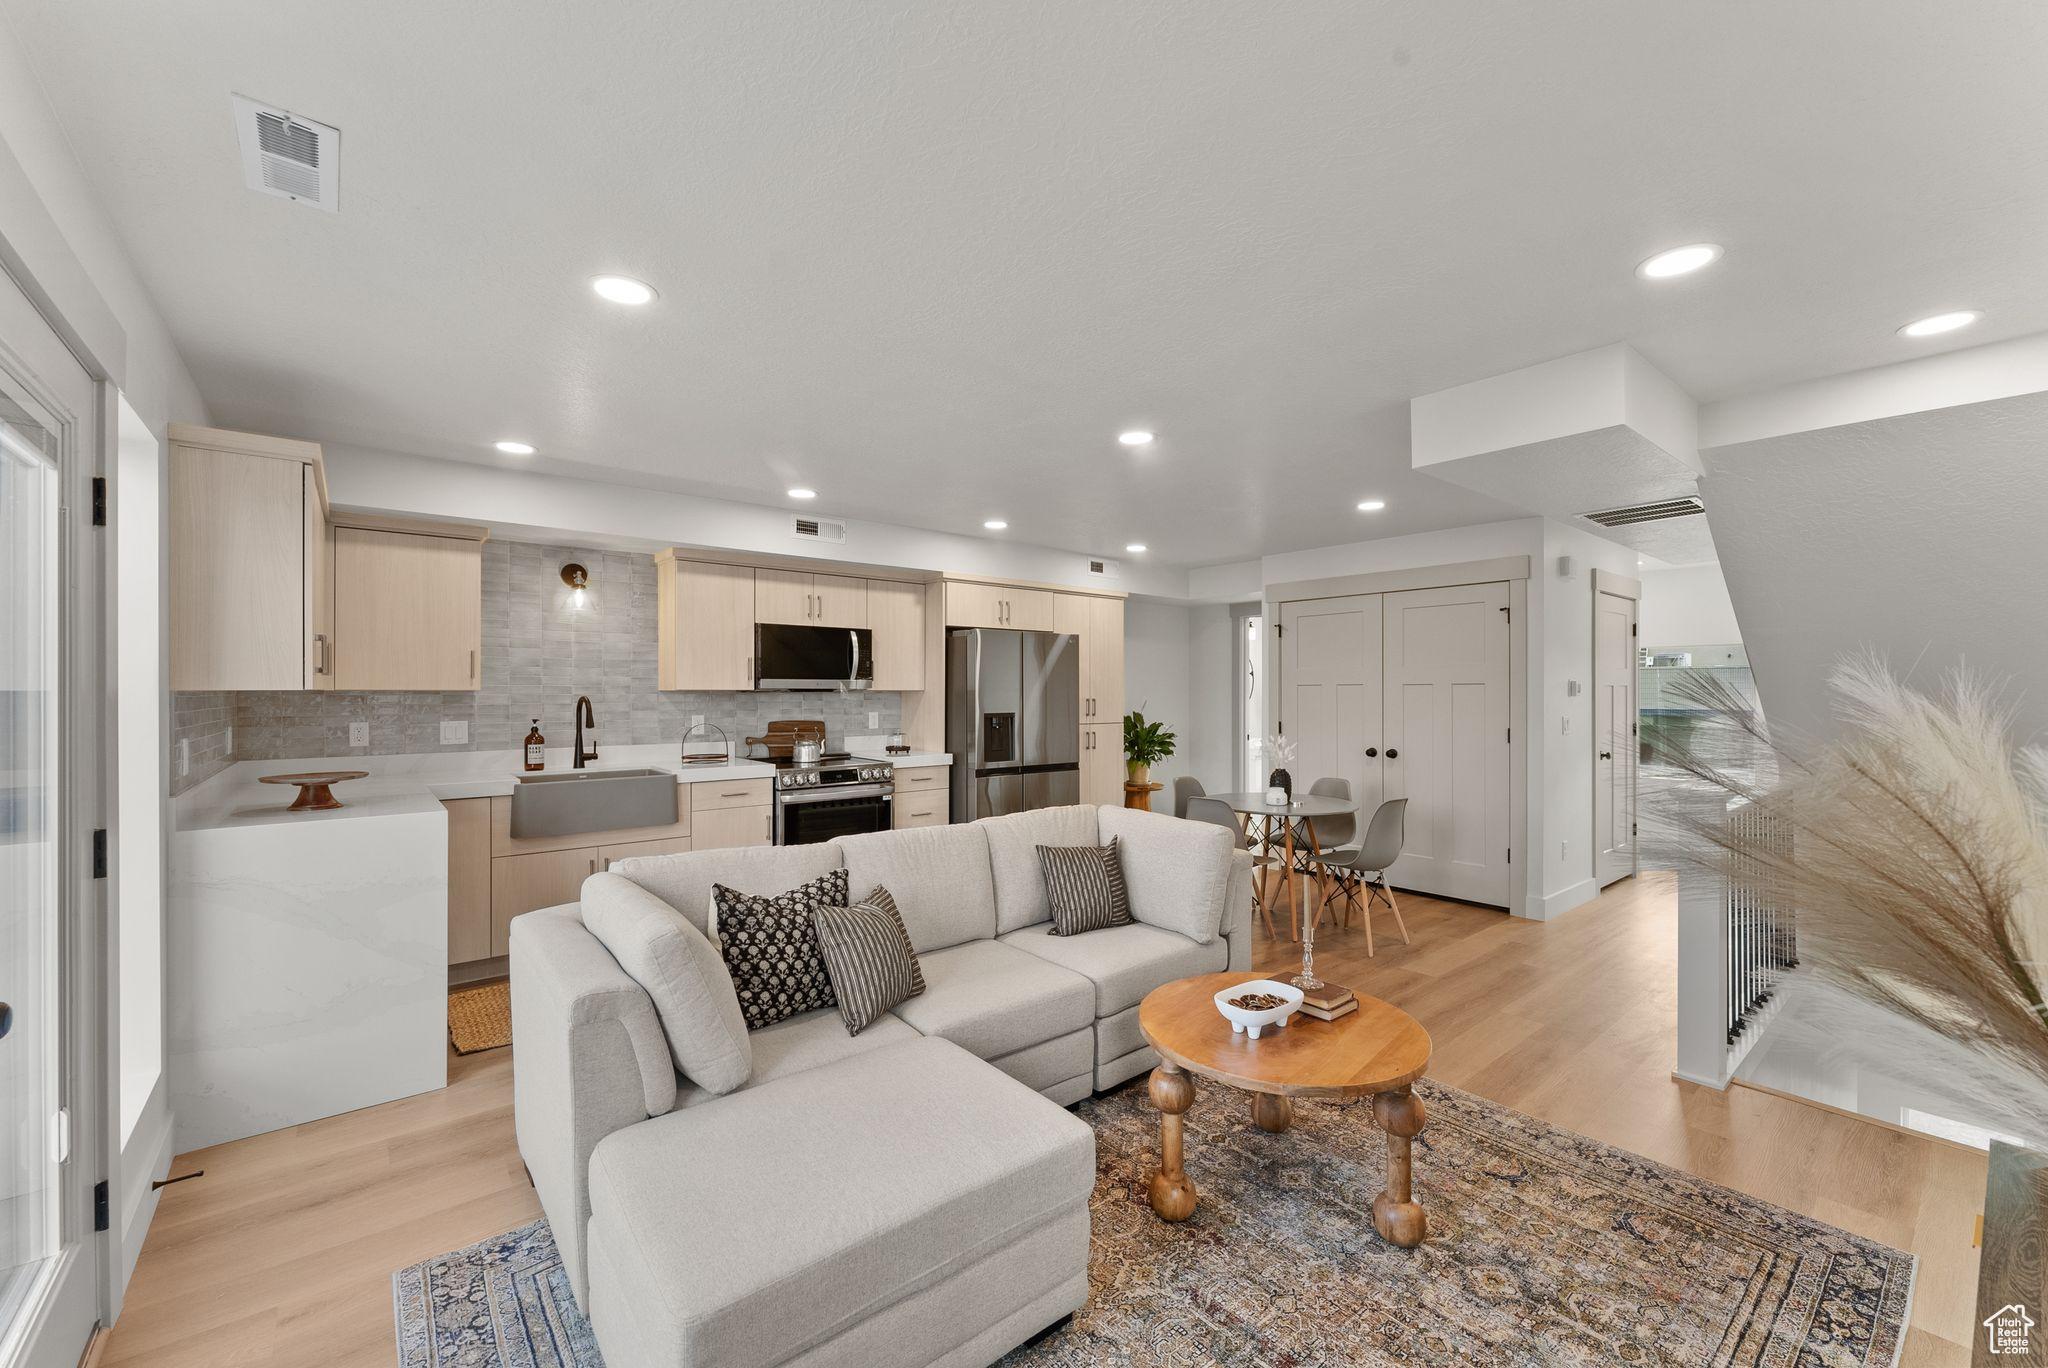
x,y
781,737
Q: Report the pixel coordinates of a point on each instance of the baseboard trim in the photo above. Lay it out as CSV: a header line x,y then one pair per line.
x,y
1844,1112
136,1228
1701,1080
1553,905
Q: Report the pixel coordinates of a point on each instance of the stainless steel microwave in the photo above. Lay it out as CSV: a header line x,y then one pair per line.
x,y
787,656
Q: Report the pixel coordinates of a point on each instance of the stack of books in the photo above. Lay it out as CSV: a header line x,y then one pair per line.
x,y
1328,1002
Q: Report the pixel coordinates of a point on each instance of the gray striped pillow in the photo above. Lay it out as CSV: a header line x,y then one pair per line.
x,y
867,953
1084,886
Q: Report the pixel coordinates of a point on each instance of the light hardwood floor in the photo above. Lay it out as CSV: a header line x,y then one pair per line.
x,y
283,1254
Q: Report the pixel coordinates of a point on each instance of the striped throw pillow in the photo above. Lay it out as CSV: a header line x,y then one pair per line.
x,y
867,952
1084,886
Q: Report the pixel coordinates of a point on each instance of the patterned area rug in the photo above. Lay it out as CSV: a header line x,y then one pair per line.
x,y
1545,1248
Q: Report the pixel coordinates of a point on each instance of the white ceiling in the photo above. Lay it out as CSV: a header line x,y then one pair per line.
x,y
930,258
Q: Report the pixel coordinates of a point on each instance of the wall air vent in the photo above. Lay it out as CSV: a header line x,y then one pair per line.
x,y
1104,569
284,154
817,529
1649,512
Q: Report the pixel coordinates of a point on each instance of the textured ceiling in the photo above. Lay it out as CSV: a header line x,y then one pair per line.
x,y
930,258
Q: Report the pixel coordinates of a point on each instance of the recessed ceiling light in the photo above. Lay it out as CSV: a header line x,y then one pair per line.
x,y
1372,505
803,493
1135,437
515,448
995,524
1940,323
1679,261
623,289
1136,548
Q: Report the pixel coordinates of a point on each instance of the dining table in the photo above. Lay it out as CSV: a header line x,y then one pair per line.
x,y
1303,808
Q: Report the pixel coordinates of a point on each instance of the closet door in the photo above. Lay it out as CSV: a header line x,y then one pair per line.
x,y
1614,737
1446,738
1330,695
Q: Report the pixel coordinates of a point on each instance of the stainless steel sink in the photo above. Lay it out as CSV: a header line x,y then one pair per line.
x,y
576,801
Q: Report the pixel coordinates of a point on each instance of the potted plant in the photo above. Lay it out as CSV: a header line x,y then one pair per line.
x,y
1145,744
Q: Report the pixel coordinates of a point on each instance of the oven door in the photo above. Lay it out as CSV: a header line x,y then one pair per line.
x,y
819,815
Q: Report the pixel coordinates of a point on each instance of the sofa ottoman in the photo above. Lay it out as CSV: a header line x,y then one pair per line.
x,y
908,1206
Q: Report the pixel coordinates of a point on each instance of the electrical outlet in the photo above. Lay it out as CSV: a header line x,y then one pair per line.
x,y
184,756
359,733
1567,726
696,719
454,733
229,744
1564,850
874,719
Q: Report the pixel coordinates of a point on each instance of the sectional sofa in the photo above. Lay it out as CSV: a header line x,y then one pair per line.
x,y
914,1195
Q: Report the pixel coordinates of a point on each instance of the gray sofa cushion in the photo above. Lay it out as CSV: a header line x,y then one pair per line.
x,y
693,995
754,1259
1124,962
1175,871
811,1041
993,999
939,877
1013,843
684,881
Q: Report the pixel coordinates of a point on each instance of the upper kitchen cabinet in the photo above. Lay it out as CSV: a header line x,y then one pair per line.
x,y
251,606
704,631
408,605
896,617
808,600
969,604
1098,624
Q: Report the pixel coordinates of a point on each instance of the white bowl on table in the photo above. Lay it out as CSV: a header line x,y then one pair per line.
x,y
1251,1023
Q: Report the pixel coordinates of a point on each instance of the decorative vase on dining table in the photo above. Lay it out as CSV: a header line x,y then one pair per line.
x,y
1282,780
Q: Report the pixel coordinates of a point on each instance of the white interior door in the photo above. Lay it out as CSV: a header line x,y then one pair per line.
x,y
1445,746
1330,708
1614,737
48,1272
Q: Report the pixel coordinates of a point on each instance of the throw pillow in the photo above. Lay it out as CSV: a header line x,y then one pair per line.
x,y
1084,888
867,952
693,996
771,947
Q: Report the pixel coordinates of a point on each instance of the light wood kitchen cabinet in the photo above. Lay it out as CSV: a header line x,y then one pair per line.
x,y
1098,624
633,850
810,600
524,883
1102,764
922,797
704,627
408,610
896,618
248,592
469,879
725,828
998,605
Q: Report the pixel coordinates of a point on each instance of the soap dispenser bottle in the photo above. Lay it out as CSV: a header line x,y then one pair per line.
x,y
536,749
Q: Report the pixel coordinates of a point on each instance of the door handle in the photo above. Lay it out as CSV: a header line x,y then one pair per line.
x,y
472,667
1372,752
1393,754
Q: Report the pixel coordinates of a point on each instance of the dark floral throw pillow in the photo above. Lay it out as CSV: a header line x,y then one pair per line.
x,y
770,946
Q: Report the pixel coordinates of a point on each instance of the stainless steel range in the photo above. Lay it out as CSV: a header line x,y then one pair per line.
x,y
841,795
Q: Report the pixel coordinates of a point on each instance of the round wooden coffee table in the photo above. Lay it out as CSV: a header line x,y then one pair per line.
x,y
1377,1051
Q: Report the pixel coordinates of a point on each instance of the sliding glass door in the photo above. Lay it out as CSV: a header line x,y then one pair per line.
x,y
48,1269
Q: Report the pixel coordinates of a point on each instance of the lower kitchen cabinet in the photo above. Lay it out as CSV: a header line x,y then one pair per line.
x,y
469,879
522,883
725,828
675,845
920,810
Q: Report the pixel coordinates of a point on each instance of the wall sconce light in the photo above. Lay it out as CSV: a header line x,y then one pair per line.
x,y
577,578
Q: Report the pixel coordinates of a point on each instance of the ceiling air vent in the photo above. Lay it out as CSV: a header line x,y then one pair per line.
x,y
818,529
283,154
1649,512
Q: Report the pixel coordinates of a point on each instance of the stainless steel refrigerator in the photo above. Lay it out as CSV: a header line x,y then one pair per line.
x,y
1013,720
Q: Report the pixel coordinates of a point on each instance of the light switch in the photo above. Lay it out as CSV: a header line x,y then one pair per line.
x,y
1567,728
184,756
874,719
359,733
454,733
229,744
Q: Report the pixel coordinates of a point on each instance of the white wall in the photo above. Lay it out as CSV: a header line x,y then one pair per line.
x,y
1687,606
1156,677
1212,689
53,230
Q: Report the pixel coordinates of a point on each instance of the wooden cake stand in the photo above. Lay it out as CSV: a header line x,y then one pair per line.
x,y
314,794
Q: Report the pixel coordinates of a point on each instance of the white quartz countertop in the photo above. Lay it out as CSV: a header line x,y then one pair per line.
x,y
399,785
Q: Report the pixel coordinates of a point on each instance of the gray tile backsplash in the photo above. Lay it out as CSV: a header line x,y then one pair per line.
x,y
538,655
207,721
